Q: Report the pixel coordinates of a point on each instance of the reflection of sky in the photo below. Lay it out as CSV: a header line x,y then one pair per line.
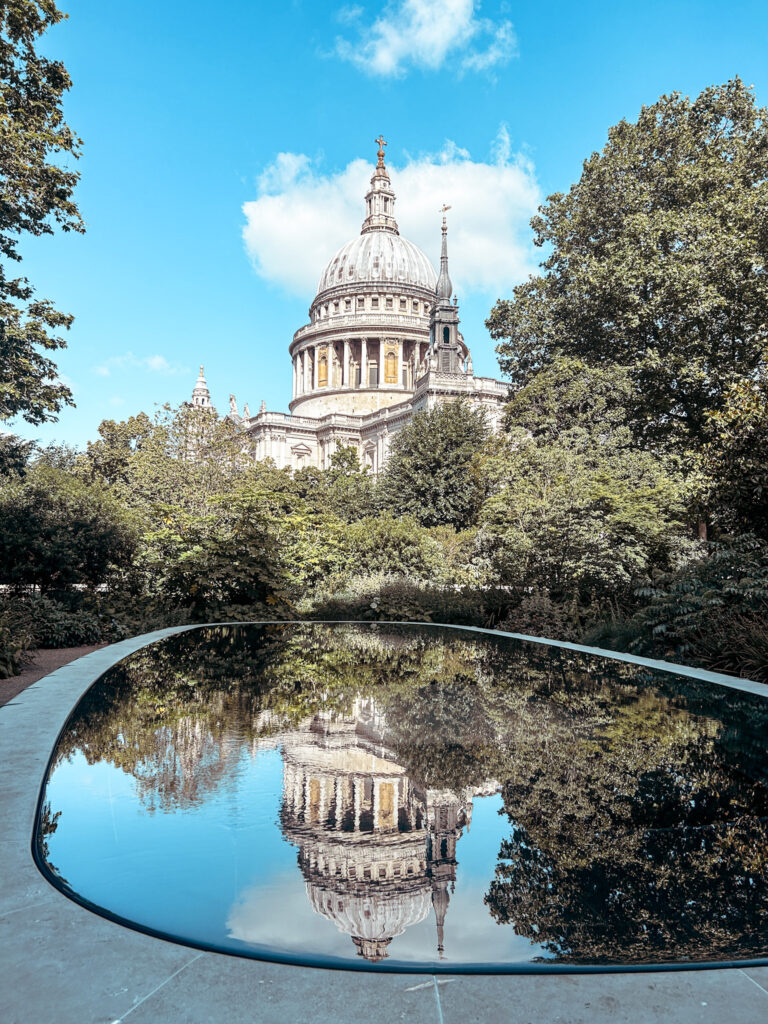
x,y
222,873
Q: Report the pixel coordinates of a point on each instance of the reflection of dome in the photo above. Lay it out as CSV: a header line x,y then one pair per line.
x,y
381,257
373,917
376,854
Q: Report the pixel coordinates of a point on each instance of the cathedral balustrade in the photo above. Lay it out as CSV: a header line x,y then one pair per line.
x,y
360,322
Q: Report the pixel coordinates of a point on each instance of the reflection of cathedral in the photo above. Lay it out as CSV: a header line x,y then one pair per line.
x,y
377,853
382,342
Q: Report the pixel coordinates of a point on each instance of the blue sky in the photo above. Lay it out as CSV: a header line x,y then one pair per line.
x,y
224,151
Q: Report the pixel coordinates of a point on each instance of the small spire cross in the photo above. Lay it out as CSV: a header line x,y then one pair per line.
x,y
381,144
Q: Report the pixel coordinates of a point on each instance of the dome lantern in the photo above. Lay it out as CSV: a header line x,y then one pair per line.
x,y
380,198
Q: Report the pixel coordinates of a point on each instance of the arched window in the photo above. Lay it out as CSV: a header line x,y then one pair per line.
x,y
446,335
322,371
390,368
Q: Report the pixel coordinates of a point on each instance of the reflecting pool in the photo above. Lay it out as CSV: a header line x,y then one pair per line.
x,y
370,795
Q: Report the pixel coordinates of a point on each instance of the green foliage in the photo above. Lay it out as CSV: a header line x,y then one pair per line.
x,y
35,193
14,644
58,532
345,490
45,622
713,611
433,471
209,566
735,457
396,599
570,394
579,520
386,544
656,262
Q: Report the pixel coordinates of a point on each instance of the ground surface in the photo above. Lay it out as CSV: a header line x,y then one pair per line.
x,y
39,664
61,963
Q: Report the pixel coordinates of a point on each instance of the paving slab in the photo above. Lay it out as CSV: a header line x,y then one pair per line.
x,y
674,997
277,994
61,963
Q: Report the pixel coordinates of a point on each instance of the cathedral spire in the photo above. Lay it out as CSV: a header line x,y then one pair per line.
x,y
444,286
201,396
380,198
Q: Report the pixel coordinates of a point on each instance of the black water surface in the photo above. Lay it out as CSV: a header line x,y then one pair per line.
x,y
413,797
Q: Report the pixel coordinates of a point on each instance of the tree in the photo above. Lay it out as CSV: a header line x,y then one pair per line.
x,y
735,457
35,194
579,513
657,262
433,472
59,532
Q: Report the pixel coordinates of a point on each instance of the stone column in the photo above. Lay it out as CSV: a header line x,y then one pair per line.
x,y
400,362
356,790
314,368
345,377
364,363
295,361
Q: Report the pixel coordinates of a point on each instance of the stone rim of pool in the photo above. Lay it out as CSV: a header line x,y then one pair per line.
x,y
124,649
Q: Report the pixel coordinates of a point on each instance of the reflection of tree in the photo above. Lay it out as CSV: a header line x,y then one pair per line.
x,y
636,833
638,803
47,824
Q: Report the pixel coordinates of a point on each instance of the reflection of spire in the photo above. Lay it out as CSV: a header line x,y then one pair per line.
x,y
440,901
446,818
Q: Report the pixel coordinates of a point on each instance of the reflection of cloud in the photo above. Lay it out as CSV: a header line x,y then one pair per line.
x,y
279,915
424,34
301,216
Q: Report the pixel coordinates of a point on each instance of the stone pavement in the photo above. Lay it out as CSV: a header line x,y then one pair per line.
x,y
60,963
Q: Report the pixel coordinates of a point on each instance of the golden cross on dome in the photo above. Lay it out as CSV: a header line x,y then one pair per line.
x,y
381,144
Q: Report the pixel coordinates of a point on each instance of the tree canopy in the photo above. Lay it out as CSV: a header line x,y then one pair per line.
x,y
35,195
656,260
432,472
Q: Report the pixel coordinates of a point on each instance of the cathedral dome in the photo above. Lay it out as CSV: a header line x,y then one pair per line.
x,y
378,256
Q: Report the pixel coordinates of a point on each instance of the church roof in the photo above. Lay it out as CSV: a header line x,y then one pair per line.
x,y
379,254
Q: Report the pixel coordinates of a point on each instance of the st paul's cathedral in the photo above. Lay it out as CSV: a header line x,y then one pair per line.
x,y
382,343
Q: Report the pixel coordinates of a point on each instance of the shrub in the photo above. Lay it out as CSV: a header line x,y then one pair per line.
x,y
45,622
14,644
538,615
397,599
712,612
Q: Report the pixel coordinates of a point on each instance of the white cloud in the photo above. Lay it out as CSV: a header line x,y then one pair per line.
x,y
297,223
424,34
153,364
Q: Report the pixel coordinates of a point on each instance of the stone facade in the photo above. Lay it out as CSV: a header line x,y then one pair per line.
x,y
382,343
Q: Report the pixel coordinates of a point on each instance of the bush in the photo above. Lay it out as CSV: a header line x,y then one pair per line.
x,y
14,644
538,615
397,599
48,623
58,532
712,612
